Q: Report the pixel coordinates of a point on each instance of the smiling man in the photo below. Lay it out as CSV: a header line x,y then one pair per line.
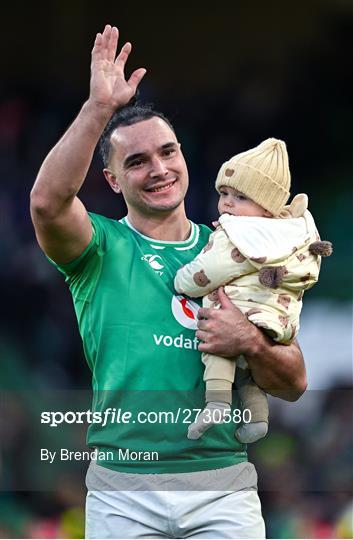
x,y
138,334
154,179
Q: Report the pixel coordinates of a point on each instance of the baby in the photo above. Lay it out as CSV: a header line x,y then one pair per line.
x,y
266,255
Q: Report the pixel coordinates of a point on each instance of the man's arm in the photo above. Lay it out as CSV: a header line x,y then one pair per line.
x,y
278,369
61,222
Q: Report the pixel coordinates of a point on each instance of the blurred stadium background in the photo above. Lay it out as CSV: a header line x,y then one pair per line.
x,y
228,76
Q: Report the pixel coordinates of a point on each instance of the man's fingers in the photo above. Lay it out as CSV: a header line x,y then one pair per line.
x,y
205,347
105,44
136,78
201,335
112,44
223,298
203,324
105,39
203,313
123,55
97,47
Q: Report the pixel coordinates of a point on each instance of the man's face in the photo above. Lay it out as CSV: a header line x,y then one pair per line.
x,y
148,167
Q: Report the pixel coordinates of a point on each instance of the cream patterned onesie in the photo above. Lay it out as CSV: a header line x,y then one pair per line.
x,y
265,265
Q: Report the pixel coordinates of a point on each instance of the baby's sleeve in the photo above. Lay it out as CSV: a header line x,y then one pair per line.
x,y
219,262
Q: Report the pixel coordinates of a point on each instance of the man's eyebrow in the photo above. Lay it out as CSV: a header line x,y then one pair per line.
x,y
132,157
169,145
139,155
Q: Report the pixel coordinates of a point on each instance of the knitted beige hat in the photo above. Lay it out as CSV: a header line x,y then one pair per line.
x,y
261,173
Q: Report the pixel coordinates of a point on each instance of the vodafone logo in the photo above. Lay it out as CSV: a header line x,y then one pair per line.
x,y
185,311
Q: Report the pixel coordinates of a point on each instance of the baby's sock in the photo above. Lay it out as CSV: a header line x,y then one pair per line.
x,y
213,413
249,433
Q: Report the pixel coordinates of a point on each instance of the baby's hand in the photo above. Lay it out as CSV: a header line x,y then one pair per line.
x,y
215,224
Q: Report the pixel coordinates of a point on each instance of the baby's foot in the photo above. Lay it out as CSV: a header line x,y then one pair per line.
x,y
213,413
249,433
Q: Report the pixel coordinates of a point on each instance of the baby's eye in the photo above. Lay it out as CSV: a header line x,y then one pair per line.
x,y
241,197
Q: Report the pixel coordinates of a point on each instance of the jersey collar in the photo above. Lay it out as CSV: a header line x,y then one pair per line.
x,y
160,244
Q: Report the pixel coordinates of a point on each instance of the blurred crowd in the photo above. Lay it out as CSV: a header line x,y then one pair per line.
x,y
306,471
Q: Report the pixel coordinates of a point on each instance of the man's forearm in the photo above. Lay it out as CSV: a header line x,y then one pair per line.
x,y
278,369
65,168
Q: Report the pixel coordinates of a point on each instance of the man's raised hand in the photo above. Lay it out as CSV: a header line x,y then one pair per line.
x,y
108,86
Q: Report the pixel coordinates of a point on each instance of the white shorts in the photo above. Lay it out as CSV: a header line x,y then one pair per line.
x,y
124,505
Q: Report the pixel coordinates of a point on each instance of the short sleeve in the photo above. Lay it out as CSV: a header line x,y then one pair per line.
x,y
96,247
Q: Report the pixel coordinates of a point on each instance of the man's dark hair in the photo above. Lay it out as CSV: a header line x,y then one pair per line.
x,y
132,113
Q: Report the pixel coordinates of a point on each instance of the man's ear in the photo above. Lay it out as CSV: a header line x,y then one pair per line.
x,y
112,180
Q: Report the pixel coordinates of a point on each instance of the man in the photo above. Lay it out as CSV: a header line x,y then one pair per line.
x,y
138,335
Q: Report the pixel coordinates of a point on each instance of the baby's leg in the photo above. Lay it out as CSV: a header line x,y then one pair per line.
x,y
219,376
255,400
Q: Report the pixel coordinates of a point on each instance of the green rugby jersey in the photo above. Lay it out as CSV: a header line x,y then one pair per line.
x,y
139,341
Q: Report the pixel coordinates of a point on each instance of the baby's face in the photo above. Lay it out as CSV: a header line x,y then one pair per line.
x,y
236,203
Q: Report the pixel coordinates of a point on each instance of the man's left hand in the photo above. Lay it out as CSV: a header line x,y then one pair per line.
x,y
225,331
